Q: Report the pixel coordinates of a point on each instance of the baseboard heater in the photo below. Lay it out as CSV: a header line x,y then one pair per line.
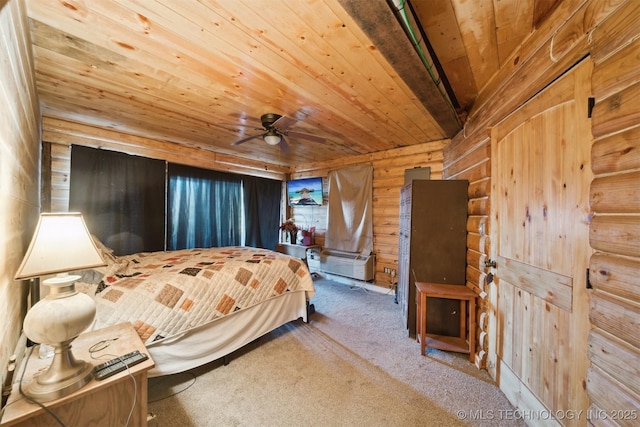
x,y
349,264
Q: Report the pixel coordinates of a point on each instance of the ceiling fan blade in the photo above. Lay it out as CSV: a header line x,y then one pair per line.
x,y
283,123
284,147
249,138
306,136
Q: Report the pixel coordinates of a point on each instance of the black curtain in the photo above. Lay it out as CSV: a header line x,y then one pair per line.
x,y
262,211
121,198
204,208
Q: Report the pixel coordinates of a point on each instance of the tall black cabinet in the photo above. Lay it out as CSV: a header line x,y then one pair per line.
x,y
432,248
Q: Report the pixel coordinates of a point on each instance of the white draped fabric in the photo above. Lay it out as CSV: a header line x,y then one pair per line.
x,y
350,219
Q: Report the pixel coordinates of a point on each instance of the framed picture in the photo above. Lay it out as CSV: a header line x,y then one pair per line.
x,y
305,192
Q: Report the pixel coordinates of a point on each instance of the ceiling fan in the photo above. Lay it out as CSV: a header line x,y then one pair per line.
x,y
277,127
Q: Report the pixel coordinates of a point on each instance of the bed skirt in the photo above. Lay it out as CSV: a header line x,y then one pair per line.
x,y
221,337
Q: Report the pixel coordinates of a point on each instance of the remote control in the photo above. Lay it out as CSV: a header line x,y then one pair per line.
x,y
119,364
116,360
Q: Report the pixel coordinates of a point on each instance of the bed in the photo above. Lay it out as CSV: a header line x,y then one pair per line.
x,y
194,306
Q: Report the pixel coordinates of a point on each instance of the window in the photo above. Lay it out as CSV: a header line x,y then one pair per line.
x,y
205,208
124,202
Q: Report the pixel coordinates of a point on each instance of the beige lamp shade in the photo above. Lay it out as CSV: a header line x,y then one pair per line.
x,y
60,243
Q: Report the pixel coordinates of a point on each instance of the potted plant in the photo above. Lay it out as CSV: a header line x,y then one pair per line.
x,y
291,228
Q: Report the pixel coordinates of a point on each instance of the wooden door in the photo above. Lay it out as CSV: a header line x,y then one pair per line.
x,y
540,190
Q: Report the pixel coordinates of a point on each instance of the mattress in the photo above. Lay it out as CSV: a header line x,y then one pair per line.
x,y
172,297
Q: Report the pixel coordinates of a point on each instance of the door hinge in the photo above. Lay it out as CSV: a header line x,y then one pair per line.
x,y
591,104
588,280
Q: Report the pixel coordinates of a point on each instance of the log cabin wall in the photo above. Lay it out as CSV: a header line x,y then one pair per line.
x,y
613,381
609,33
19,168
470,158
388,178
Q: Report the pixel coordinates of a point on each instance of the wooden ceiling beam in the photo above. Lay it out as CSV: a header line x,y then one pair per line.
x,y
377,20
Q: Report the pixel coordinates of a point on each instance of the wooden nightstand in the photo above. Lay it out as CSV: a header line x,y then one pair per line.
x,y
466,342
107,402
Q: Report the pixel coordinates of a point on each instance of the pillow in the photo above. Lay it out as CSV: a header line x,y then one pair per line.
x,y
107,253
86,288
92,276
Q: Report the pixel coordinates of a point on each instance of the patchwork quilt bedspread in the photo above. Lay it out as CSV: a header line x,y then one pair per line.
x,y
166,293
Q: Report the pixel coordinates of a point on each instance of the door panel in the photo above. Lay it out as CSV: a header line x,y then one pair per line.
x,y
540,178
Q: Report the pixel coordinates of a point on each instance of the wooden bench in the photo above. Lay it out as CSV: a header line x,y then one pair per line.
x,y
466,342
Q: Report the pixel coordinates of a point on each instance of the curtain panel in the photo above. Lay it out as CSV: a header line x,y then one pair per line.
x,y
262,199
350,217
121,198
129,201
204,208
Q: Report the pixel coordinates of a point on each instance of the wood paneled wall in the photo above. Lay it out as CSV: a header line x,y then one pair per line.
x,y
66,133
19,168
609,32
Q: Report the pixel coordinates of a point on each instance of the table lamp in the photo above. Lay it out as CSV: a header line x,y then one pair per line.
x,y
61,243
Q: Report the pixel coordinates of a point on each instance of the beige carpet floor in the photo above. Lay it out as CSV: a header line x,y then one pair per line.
x,y
351,365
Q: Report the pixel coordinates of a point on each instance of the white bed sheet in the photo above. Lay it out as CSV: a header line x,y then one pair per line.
x,y
221,337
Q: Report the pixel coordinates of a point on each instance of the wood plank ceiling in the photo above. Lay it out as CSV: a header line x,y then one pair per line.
x,y
201,73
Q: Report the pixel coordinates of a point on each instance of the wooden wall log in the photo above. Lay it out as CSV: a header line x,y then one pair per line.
x,y
471,159
616,153
616,193
617,112
475,259
475,280
478,243
454,153
616,357
610,397
478,224
617,72
617,316
619,29
480,188
476,173
480,206
618,234
616,275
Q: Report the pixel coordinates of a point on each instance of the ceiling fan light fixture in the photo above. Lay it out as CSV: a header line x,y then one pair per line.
x,y
272,137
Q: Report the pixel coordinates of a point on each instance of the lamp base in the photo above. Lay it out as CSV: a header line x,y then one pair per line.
x,y
64,376
57,320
